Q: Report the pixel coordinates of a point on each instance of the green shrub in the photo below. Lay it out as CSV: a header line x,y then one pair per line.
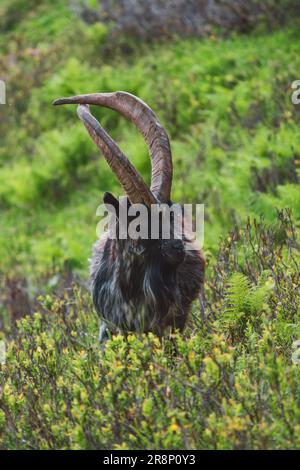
x,y
224,103
228,383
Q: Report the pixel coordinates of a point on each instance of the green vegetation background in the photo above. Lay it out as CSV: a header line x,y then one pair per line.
x,y
226,104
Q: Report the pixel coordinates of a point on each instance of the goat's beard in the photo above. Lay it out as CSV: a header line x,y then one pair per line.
x,y
161,291
140,293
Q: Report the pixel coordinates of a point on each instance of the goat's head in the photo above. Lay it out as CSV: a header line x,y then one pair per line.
x,y
159,230
171,249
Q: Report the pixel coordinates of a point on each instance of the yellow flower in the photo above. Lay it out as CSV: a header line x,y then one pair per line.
x,y
83,395
191,355
207,360
174,427
60,381
47,408
235,424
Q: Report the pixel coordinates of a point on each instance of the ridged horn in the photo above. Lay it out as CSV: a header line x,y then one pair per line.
x,y
132,183
148,124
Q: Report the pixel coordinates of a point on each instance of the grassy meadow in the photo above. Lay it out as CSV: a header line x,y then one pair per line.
x,y
225,100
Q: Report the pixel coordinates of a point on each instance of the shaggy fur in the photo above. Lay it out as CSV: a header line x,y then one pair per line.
x,y
144,285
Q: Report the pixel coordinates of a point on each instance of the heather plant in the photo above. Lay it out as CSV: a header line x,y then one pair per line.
x,y
228,383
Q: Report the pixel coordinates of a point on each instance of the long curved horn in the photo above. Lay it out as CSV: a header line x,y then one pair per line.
x,y
148,124
133,184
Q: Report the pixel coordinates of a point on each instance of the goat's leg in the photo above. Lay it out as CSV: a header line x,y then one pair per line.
x,y
177,318
103,335
202,303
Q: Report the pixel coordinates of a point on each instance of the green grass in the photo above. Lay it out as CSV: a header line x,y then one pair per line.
x,y
225,103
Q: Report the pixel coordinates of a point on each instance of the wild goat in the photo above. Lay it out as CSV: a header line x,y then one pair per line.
x,y
139,284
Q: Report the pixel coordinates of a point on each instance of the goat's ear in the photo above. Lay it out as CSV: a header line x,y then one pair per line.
x,y
110,200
